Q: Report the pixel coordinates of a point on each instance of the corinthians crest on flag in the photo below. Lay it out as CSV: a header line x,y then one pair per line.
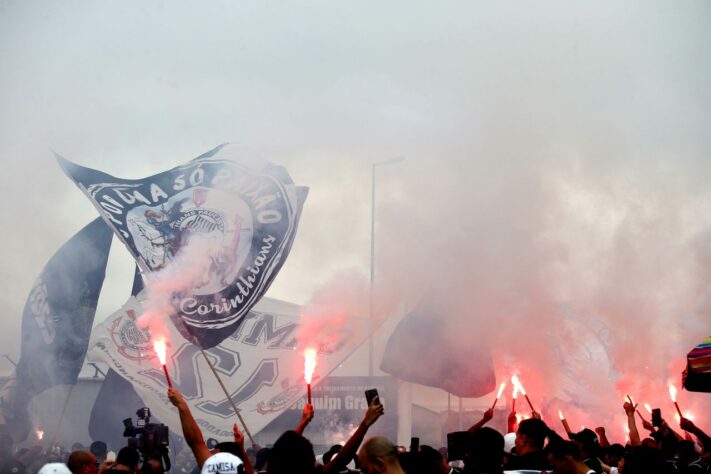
x,y
248,215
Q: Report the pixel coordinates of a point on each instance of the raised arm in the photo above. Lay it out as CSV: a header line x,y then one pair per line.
x,y
631,424
191,431
374,411
511,422
239,439
602,437
689,426
485,418
306,418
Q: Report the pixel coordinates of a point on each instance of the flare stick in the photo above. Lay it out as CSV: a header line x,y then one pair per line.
x,y
529,402
167,376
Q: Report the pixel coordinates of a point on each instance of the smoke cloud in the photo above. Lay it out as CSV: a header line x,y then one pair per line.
x,y
554,199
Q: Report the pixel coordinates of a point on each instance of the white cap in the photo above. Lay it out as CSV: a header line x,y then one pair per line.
x,y
509,442
223,463
54,468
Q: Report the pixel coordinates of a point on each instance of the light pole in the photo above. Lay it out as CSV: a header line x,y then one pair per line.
x,y
371,324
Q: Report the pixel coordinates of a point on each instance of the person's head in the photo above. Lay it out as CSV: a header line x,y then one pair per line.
x,y
564,457
261,459
614,454
486,450
378,455
530,436
332,451
223,463
129,457
587,442
229,447
54,468
669,445
650,443
292,454
429,461
83,462
99,449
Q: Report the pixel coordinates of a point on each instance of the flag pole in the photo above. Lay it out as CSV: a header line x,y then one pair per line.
x,y
61,417
224,389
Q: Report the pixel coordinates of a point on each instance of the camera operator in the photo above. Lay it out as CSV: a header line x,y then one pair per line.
x,y
128,460
150,439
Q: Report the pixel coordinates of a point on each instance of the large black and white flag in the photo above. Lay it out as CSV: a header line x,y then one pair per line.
x,y
57,321
246,215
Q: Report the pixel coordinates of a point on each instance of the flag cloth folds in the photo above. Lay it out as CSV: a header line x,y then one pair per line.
x,y
258,363
246,212
421,351
57,321
697,376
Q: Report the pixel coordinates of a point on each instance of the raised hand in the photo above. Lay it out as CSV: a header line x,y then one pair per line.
x,y
375,411
175,397
308,413
687,425
629,408
239,437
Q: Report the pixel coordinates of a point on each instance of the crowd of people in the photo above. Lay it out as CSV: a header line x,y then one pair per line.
x,y
529,446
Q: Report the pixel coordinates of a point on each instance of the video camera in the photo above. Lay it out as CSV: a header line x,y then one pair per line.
x,y
150,439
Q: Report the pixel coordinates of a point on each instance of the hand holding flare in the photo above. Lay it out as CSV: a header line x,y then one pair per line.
x,y
159,345
635,408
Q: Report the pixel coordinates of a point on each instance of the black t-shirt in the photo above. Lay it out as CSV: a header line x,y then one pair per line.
x,y
594,464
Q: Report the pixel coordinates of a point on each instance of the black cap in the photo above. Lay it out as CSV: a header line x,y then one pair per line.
x,y
586,437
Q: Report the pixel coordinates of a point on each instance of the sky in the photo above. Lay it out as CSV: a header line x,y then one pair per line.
x,y
557,154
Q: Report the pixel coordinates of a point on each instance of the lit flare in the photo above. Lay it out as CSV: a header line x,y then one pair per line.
x,y
309,364
517,384
309,369
498,394
672,395
160,346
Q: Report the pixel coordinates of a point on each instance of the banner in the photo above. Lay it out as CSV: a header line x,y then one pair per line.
x,y
697,375
339,406
248,214
259,364
57,321
421,351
